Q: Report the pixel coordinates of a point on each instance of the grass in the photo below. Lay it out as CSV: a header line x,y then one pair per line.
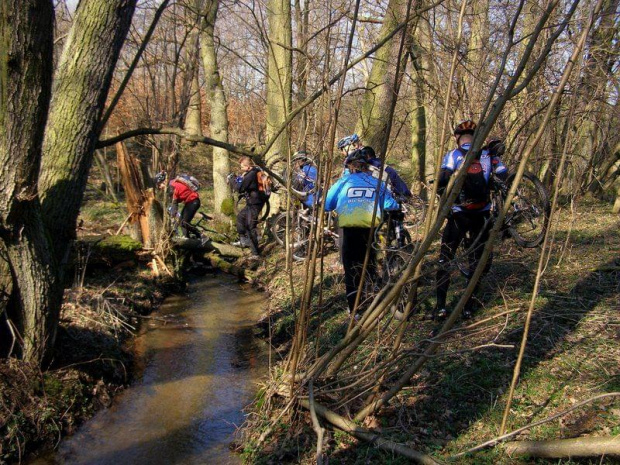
x,y
457,400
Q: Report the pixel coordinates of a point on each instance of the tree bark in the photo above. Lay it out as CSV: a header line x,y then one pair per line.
x,y
81,86
218,125
279,76
381,88
566,448
26,33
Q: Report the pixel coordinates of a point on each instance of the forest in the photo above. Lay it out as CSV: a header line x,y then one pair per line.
x,y
98,97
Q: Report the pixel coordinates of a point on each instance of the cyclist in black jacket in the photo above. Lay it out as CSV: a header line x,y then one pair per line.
x,y
247,219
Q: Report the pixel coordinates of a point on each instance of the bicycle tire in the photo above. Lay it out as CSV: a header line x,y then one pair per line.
x,y
278,227
299,234
528,217
416,212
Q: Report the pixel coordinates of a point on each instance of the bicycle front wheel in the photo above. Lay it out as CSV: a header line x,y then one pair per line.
x,y
528,216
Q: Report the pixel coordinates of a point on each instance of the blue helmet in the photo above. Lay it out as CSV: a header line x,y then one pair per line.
x,y
346,141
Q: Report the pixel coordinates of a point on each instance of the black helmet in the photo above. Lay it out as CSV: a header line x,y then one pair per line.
x,y
368,151
356,155
496,147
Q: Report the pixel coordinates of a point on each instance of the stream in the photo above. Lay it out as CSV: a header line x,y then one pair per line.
x,y
200,367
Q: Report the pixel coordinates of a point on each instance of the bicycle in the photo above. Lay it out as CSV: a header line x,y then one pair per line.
x,y
526,220
196,230
300,224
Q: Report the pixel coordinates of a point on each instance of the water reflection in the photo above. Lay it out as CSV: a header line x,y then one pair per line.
x,y
200,370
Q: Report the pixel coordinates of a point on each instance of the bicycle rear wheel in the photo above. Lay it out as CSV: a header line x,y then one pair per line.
x,y
528,216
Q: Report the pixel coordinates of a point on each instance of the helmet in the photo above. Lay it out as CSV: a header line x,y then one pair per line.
x,y
369,152
465,127
194,181
160,177
346,141
496,147
356,155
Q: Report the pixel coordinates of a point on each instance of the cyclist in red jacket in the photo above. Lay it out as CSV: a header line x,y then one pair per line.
x,y
184,190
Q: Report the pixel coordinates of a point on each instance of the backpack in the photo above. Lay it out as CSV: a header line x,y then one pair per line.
x,y
189,181
475,193
265,183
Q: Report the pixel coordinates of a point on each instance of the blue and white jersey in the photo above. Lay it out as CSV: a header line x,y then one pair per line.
x,y
454,159
353,198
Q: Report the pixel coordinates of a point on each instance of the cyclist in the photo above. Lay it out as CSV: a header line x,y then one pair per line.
x,y
353,198
349,144
305,176
247,218
471,212
397,184
184,189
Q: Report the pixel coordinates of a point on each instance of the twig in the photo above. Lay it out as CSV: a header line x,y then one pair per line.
x,y
316,425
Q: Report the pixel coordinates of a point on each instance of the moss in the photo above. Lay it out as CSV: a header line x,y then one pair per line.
x,y
228,207
119,243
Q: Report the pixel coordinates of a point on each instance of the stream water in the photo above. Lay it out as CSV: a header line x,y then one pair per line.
x,y
201,365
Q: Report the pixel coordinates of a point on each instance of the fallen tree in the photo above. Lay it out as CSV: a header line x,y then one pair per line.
x,y
566,448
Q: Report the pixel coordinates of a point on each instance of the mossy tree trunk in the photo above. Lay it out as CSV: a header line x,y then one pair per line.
x,y
54,172
219,106
26,35
381,88
79,93
279,75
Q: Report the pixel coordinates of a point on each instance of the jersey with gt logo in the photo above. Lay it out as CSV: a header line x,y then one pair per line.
x,y
353,198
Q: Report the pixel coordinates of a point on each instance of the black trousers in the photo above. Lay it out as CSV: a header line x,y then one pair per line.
x,y
353,252
187,215
459,224
247,223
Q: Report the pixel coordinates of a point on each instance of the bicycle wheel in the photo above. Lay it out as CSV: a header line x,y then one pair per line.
x,y
278,227
528,216
415,212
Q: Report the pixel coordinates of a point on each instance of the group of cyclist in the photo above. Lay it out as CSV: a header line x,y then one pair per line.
x,y
353,197
366,181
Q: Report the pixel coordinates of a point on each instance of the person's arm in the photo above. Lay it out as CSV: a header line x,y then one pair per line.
x,y
448,166
398,184
499,169
331,201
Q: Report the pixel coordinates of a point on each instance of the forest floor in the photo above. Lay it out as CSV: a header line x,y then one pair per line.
x,y
457,400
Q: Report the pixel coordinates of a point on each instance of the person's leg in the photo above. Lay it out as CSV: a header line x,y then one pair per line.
x,y
242,228
353,253
452,236
478,227
187,215
252,225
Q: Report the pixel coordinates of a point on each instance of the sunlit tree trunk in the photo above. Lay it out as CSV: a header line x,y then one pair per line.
x,y
381,88
279,75
81,85
26,35
215,92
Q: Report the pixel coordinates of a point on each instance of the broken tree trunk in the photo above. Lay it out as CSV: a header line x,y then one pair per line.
x,y
566,448
144,209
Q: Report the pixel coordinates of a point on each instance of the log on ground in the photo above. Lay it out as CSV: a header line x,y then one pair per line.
x,y
565,448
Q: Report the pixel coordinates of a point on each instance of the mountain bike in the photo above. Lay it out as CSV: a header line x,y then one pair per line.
x,y
526,220
300,225
198,229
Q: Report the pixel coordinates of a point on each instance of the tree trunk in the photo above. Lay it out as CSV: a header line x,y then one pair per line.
x,y
219,117
193,122
26,32
279,76
566,448
105,171
81,86
381,90
143,208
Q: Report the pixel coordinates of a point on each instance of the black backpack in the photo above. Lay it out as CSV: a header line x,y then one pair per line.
x,y
475,193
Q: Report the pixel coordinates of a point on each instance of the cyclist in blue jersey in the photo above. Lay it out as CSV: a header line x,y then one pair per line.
x,y
304,177
353,198
396,183
471,212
